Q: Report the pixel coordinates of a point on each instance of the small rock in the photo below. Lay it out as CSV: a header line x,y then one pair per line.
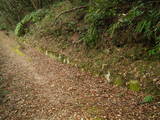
x,y
107,76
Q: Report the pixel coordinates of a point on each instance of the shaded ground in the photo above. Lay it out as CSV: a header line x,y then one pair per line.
x,y
41,88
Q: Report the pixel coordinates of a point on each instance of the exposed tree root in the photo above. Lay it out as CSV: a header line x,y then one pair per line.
x,y
68,11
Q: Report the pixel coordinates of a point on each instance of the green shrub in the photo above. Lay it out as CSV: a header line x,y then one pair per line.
x,y
99,11
139,21
23,26
143,20
125,20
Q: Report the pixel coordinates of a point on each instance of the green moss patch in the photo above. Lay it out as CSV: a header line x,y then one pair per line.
x,y
119,82
18,51
134,85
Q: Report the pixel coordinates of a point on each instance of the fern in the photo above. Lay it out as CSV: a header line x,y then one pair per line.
x,y
113,28
22,26
142,19
132,14
148,99
125,20
99,10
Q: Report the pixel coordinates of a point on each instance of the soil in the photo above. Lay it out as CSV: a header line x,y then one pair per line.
x,y
41,88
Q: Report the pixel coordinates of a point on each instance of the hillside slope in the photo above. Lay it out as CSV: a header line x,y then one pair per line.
x,y
42,88
61,33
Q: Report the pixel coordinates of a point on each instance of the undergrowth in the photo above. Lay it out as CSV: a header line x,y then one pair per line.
x,y
140,20
23,26
62,29
121,21
98,12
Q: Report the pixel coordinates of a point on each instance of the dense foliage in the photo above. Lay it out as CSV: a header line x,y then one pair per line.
x,y
133,21
23,26
124,21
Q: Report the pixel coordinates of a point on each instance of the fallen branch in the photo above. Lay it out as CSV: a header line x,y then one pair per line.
x,y
71,10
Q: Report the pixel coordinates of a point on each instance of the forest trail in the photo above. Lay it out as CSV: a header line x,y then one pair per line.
x,y
40,88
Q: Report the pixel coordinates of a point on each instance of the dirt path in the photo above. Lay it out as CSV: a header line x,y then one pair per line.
x,y
41,88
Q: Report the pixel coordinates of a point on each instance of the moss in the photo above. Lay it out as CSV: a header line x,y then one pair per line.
x,y
52,56
134,85
18,51
118,80
92,110
95,112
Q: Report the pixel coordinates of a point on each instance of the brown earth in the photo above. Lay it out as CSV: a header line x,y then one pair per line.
x,y
40,88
